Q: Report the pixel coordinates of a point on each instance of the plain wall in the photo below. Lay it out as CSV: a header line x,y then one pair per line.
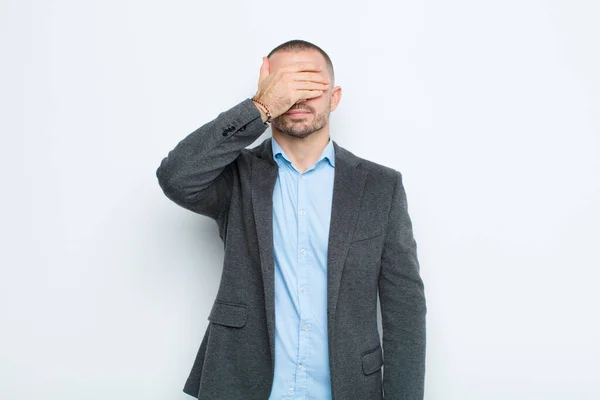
x,y
489,110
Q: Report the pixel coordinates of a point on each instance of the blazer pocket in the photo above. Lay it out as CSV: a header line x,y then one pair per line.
x,y
372,360
228,314
359,236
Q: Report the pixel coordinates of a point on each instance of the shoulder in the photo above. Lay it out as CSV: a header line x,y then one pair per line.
x,y
376,171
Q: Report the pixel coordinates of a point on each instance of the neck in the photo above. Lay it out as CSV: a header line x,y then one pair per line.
x,y
303,152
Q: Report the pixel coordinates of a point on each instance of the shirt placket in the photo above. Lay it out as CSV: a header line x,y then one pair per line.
x,y
303,289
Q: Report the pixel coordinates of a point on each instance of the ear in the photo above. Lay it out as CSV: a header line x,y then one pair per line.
x,y
336,96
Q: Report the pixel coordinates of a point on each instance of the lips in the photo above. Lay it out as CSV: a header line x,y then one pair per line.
x,y
297,112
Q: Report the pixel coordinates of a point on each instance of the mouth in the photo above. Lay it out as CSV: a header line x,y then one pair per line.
x,y
297,112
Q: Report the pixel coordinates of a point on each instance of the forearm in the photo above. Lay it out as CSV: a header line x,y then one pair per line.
x,y
195,173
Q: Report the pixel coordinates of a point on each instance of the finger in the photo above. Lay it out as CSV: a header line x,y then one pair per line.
x,y
309,94
308,85
311,76
303,66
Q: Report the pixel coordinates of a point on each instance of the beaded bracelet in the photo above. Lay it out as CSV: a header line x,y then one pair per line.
x,y
266,110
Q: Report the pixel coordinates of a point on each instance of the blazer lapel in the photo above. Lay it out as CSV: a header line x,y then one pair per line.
x,y
348,186
264,176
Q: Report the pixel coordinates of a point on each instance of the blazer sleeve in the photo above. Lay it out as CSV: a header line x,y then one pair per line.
x,y
403,307
198,173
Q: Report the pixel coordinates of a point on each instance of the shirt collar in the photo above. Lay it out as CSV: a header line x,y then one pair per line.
x,y
327,153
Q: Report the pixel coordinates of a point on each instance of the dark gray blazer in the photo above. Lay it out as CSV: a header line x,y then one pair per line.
x,y
371,247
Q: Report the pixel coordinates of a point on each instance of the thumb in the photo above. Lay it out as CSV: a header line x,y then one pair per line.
x,y
264,70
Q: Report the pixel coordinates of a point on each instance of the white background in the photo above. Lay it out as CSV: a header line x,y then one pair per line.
x,y
488,108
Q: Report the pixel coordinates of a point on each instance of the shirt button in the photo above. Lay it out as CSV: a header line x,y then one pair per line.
x,y
302,251
291,390
302,289
300,367
302,212
304,327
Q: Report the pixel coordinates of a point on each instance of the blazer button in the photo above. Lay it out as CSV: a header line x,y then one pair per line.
x,y
230,128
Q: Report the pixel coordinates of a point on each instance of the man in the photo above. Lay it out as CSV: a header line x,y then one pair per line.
x,y
311,233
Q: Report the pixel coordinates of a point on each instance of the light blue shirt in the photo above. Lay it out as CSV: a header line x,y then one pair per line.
x,y
301,216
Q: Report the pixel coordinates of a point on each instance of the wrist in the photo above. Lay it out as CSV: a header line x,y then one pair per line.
x,y
264,110
263,114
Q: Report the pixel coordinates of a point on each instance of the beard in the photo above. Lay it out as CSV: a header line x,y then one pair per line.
x,y
303,125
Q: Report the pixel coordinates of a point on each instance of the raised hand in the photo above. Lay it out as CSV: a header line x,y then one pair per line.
x,y
286,86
